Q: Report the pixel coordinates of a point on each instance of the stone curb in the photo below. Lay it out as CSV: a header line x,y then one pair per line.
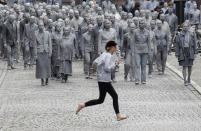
x,y
3,74
178,73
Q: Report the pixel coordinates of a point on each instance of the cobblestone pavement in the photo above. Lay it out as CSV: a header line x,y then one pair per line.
x,y
164,104
172,60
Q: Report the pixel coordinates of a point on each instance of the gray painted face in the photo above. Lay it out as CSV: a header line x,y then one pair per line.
x,y
90,28
185,27
170,10
162,17
66,30
132,27
76,14
159,24
107,24
40,25
58,27
142,24
153,24
32,19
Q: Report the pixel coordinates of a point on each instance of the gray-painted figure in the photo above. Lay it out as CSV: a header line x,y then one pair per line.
x,y
97,29
29,42
43,54
106,5
153,53
195,15
128,47
65,55
107,34
19,33
186,50
88,43
172,20
142,48
162,41
165,27
10,38
75,23
83,27
56,40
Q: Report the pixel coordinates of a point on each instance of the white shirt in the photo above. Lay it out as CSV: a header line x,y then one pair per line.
x,y
105,65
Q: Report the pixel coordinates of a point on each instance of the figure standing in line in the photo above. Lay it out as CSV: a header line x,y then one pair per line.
x,y
43,54
153,53
88,43
10,38
29,42
162,43
186,51
128,47
65,55
56,40
142,48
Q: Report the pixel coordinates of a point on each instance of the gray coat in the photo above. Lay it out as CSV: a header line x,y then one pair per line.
x,y
88,42
142,41
43,43
96,33
66,47
162,38
173,22
43,52
128,43
29,37
104,37
179,52
9,33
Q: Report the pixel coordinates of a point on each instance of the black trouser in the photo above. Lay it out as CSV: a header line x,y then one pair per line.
x,y
105,87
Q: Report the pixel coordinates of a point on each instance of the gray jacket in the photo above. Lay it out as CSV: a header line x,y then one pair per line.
x,y
104,37
142,41
87,42
173,22
105,65
179,52
43,43
162,38
96,33
128,43
66,48
9,33
29,37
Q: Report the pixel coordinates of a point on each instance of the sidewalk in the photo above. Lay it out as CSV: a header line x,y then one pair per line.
x,y
196,72
164,104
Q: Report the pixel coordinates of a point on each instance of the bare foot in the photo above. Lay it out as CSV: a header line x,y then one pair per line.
x,y
119,117
80,106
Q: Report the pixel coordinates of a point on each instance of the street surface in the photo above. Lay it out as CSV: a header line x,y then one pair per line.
x,y
163,104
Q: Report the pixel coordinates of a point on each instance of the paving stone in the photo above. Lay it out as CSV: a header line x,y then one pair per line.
x,y
163,104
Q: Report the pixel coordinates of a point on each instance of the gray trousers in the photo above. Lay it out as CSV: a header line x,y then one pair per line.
x,y
161,58
10,54
88,57
17,51
29,55
129,67
141,61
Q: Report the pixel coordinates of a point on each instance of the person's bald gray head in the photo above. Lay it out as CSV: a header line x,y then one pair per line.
x,y
32,19
12,18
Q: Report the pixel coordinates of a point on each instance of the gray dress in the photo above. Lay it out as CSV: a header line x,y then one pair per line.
x,y
43,52
185,48
66,53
